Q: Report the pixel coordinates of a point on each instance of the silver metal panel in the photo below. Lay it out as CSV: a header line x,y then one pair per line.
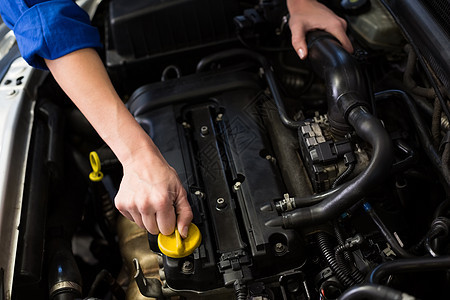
x,y
17,99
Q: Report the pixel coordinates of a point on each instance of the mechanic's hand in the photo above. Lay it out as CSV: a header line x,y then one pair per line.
x,y
307,15
151,194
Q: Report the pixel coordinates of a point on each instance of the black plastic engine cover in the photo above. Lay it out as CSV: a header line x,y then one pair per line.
x,y
218,145
141,28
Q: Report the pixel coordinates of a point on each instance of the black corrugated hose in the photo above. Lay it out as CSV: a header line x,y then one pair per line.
x,y
343,256
338,269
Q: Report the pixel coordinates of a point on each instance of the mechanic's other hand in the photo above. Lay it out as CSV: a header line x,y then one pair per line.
x,y
307,15
151,194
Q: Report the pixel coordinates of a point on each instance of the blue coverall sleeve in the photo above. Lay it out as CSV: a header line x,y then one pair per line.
x,y
48,28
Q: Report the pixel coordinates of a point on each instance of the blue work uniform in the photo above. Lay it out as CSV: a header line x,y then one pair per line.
x,y
48,28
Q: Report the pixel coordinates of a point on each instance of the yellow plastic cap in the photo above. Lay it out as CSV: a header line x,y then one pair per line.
x,y
176,247
95,175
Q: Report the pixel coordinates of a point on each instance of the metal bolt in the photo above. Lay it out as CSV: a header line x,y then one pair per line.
x,y
204,130
237,186
187,267
270,158
219,117
186,125
199,195
280,248
261,72
221,204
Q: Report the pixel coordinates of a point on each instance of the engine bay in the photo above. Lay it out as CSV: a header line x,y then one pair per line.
x,y
319,179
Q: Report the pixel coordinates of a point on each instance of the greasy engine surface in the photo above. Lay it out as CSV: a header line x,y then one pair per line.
x,y
219,145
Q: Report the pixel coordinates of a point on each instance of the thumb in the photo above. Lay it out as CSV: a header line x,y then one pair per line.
x,y
184,214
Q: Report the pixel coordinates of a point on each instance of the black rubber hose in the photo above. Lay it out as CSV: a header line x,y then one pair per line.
x,y
201,66
326,249
304,201
373,292
345,82
390,238
314,199
418,264
347,99
421,128
372,131
440,227
63,276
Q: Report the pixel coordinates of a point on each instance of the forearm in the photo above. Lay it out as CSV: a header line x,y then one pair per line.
x,y
150,193
83,77
295,4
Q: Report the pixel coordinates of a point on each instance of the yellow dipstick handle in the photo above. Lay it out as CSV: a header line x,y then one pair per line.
x,y
96,175
176,247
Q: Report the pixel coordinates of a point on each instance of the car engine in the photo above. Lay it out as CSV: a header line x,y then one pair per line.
x,y
319,179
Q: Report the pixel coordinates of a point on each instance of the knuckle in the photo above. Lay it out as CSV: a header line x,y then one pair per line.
x,y
144,206
119,204
161,204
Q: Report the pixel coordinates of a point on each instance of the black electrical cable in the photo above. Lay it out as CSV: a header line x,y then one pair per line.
x,y
407,76
446,157
442,209
350,271
326,249
268,72
408,265
422,130
390,238
344,175
340,239
373,292
436,123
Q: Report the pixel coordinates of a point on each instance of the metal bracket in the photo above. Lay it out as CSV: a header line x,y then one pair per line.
x,y
149,287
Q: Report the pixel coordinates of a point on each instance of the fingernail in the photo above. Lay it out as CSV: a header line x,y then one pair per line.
x,y
184,232
301,53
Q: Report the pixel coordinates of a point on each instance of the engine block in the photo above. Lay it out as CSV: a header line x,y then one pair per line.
x,y
220,148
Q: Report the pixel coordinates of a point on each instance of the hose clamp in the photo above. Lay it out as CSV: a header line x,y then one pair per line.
x,y
63,285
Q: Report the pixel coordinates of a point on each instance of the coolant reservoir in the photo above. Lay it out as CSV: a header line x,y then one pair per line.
x,y
377,27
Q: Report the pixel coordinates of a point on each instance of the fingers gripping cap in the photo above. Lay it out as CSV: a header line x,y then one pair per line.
x,y
176,247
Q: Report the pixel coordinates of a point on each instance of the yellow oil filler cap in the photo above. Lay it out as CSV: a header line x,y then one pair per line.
x,y
176,247
96,175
